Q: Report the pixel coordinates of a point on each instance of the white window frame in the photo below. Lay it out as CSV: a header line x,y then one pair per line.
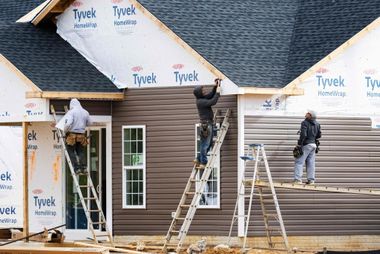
x,y
125,168
217,206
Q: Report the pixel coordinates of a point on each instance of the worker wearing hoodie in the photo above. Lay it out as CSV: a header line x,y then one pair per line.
x,y
75,122
310,132
204,102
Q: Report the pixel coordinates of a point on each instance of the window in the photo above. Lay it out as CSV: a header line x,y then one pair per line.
x,y
211,195
133,166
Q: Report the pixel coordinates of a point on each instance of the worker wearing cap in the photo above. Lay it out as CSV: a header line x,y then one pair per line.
x,y
310,132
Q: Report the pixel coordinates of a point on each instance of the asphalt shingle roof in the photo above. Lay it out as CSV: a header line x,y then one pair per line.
x,y
264,43
43,56
324,25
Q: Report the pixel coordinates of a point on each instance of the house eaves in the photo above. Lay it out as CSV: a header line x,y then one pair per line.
x,y
109,96
53,8
36,92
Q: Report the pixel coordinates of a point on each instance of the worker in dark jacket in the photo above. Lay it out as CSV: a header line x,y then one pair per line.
x,y
204,102
310,132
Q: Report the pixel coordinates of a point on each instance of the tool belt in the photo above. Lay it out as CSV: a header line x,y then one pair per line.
x,y
72,138
204,128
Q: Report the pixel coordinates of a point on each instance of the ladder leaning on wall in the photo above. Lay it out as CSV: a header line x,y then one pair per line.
x,y
87,201
256,153
195,191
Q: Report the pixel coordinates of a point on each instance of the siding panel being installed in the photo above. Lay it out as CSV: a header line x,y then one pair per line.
x,y
349,157
170,115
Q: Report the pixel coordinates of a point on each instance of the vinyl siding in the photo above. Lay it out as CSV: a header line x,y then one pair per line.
x,y
349,157
170,115
93,107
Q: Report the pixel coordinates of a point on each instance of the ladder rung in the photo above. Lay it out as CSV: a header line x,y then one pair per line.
x,y
180,218
174,232
98,223
263,195
273,229
240,216
84,186
271,215
105,234
185,206
94,211
90,198
190,193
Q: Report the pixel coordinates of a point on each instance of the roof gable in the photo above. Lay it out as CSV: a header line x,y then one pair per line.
x,y
264,43
41,54
322,26
248,41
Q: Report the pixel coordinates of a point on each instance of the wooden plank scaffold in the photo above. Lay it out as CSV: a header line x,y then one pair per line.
x,y
314,187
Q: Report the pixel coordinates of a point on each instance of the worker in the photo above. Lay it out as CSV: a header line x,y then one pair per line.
x,y
204,101
74,125
310,132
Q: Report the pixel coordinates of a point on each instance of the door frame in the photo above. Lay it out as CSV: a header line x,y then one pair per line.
x,y
82,234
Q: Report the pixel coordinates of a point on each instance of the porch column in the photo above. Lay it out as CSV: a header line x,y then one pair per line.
x,y
26,179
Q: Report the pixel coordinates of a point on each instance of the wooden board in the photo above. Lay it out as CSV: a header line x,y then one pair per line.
x,y
55,250
316,188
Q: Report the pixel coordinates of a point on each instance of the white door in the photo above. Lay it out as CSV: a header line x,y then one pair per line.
x,y
96,164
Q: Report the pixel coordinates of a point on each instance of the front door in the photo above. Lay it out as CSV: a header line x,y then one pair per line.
x,y
96,165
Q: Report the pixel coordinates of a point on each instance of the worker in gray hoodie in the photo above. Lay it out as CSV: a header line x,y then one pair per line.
x,y
204,102
310,132
75,122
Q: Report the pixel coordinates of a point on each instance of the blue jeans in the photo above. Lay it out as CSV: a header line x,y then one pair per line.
x,y
76,153
206,143
308,157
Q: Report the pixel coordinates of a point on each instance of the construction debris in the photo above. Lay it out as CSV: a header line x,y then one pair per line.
x,y
109,248
219,250
197,248
222,247
41,236
140,246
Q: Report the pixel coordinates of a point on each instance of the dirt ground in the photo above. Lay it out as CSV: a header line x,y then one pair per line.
x,y
252,251
237,251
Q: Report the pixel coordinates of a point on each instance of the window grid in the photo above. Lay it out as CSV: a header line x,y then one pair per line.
x,y
134,166
210,197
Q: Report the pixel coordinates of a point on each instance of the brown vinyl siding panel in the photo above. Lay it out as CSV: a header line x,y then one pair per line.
x,y
170,115
349,157
93,107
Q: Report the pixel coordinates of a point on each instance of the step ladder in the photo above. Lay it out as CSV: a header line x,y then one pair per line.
x,y
195,188
91,211
256,154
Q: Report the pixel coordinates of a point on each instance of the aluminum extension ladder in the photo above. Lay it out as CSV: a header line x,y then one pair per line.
x,y
91,197
195,191
256,153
